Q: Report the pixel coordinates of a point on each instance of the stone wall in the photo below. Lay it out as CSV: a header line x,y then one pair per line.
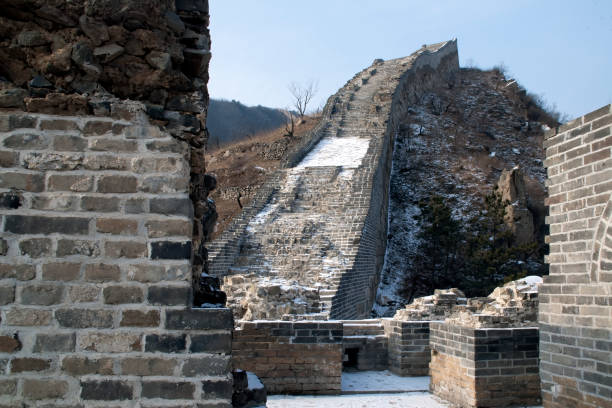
x,y
408,347
484,367
95,271
575,314
291,357
82,57
320,229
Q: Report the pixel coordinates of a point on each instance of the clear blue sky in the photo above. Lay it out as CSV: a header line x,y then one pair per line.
x,y
560,49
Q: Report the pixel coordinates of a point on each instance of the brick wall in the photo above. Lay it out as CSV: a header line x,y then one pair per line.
x,y
484,367
408,349
575,314
291,357
95,274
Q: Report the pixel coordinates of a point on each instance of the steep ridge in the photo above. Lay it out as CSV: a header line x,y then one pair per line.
x,y
312,242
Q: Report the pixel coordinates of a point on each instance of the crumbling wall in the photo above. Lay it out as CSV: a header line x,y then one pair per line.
x,y
102,198
81,57
575,319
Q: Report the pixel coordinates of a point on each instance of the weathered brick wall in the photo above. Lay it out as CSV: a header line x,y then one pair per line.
x,y
365,345
291,357
82,57
95,272
484,367
408,349
575,314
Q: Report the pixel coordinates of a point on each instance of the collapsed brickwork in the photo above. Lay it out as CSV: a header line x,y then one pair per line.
x,y
312,241
102,199
575,303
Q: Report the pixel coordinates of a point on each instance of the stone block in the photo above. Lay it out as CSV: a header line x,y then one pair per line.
x,y
83,365
9,344
146,366
199,319
8,387
117,184
172,206
47,388
113,145
99,204
97,127
126,249
61,342
58,124
116,226
170,250
121,342
168,390
115,295
168,228
69,143
61,271
83,293
164,184
211,343
68,247
25,364
169,295
32,224
102,273
105,162
35,247
221,388
140,318
210,365
135,206
106,390
7,294
8,158
19,272
165,343
43,294
27,141
84,318
28,317
23,181
61,182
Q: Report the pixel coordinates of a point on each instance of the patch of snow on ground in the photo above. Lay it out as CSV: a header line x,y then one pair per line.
x,y
369,381
404,400
337,151
261,216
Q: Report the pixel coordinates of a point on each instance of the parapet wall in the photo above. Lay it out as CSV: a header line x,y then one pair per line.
x,y
575,299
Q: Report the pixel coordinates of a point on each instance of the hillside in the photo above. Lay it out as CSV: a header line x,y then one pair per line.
x,y
455,144
242,167
231,121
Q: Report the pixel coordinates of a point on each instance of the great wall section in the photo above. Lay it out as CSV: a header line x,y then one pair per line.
x,y
317,230
103,212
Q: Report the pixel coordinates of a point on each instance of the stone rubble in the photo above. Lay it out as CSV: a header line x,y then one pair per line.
x,y
513,305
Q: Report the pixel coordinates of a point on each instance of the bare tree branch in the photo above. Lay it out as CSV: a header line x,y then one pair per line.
x,y
302,95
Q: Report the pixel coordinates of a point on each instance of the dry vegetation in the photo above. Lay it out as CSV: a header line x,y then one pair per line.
x,y
241,168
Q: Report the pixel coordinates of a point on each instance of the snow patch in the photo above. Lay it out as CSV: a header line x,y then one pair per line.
x,y
347,152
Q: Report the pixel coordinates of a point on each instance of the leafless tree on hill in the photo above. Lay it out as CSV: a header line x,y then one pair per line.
x,y
302,95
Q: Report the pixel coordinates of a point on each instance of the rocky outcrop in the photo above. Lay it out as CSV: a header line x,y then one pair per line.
x,y
524,213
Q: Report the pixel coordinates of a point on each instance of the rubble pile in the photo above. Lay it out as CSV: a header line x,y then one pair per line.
x,y
514,304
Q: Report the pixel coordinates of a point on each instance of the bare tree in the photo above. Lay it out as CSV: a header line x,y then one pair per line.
x,y
289,123
302,95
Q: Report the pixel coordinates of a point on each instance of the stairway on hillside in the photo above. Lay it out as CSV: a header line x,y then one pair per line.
x,y
292,255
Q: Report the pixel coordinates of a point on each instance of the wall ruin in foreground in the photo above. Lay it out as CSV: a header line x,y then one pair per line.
x,y
103,207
